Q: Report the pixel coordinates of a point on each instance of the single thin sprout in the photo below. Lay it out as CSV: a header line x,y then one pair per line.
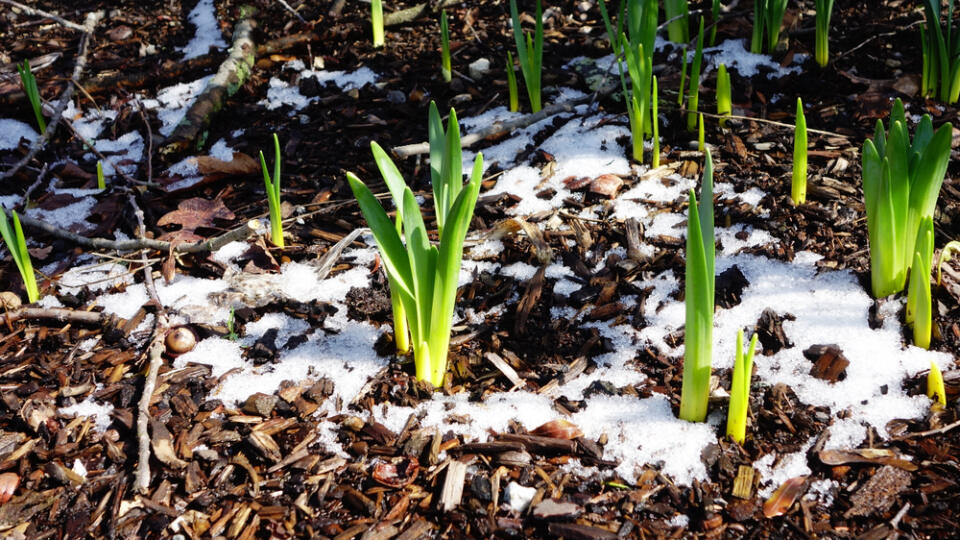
x,y
701,134
822,44
935,387
17,246
714,19
693,98
655,155
231,321
30,88
945,255
683,77
740,389
678,30
798,187
529,53
919,312
699,301
273,194
724,102
445,67
101,182
376,21
512,84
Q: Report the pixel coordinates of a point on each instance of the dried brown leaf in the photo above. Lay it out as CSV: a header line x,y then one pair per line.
x,y
194,213
783,498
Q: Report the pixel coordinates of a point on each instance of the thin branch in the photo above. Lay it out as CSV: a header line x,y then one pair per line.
x,y
213,244
291,10
412,13
496,128
89,24
41,13
54,314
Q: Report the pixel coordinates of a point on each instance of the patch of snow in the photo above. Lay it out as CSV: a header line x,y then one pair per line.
x,y
11,131
97,277
100,412
172,102
204,18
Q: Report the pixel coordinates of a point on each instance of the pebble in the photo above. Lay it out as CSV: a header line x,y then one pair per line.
x,y
479,68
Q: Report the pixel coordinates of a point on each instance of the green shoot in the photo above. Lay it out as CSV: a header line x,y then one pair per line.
x,y
945,255
767,18
724,102
655,156
714,19
901,184
273,194
822,43
683,77
231,322
529,53
935,386
740,390
376,21
445,67
927,75
30,88
941,53
677,13
17,246
512,84
798,187
701,134
101,182
693,98
919,314
699,299
424,275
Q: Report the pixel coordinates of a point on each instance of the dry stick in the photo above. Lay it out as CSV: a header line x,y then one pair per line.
x,y
213,244
41,13
496,128
233,72
54,314
755,119
413,13
90,22
291,10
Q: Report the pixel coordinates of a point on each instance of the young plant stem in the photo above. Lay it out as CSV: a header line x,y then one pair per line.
x,y
654,105
678,30
740,390
683,77
724,102
529,53
30,88
17,246
919,312
701,134
798,187
512,84
699,301
445,66
822,44
935,387
693,98
756,37
101,182
273,194
714,20
376,22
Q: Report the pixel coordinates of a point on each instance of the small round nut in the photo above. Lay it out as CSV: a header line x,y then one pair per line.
x,y
180,340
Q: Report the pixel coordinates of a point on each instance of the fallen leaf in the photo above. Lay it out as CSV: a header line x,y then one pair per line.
x,y
783,498
397,473
192,214
8,484
241,165
878,456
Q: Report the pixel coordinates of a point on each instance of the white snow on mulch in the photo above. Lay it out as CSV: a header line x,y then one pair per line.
x,y
281,92
100,412
204,17
12,131
172,102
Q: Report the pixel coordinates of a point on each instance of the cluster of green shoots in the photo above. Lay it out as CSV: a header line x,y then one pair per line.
x,y
901,183
767,18
699,300
17,246
30,88
376,22
941,54
798,186
272,186
423,277
446,70
821,50
529,53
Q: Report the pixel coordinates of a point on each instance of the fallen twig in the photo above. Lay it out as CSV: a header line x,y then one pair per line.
x,y
213,244
921,434
496,128
41,13
90,22
54,314
233,72
413,13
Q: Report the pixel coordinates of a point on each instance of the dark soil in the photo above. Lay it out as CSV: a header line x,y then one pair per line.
x,y
268,476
